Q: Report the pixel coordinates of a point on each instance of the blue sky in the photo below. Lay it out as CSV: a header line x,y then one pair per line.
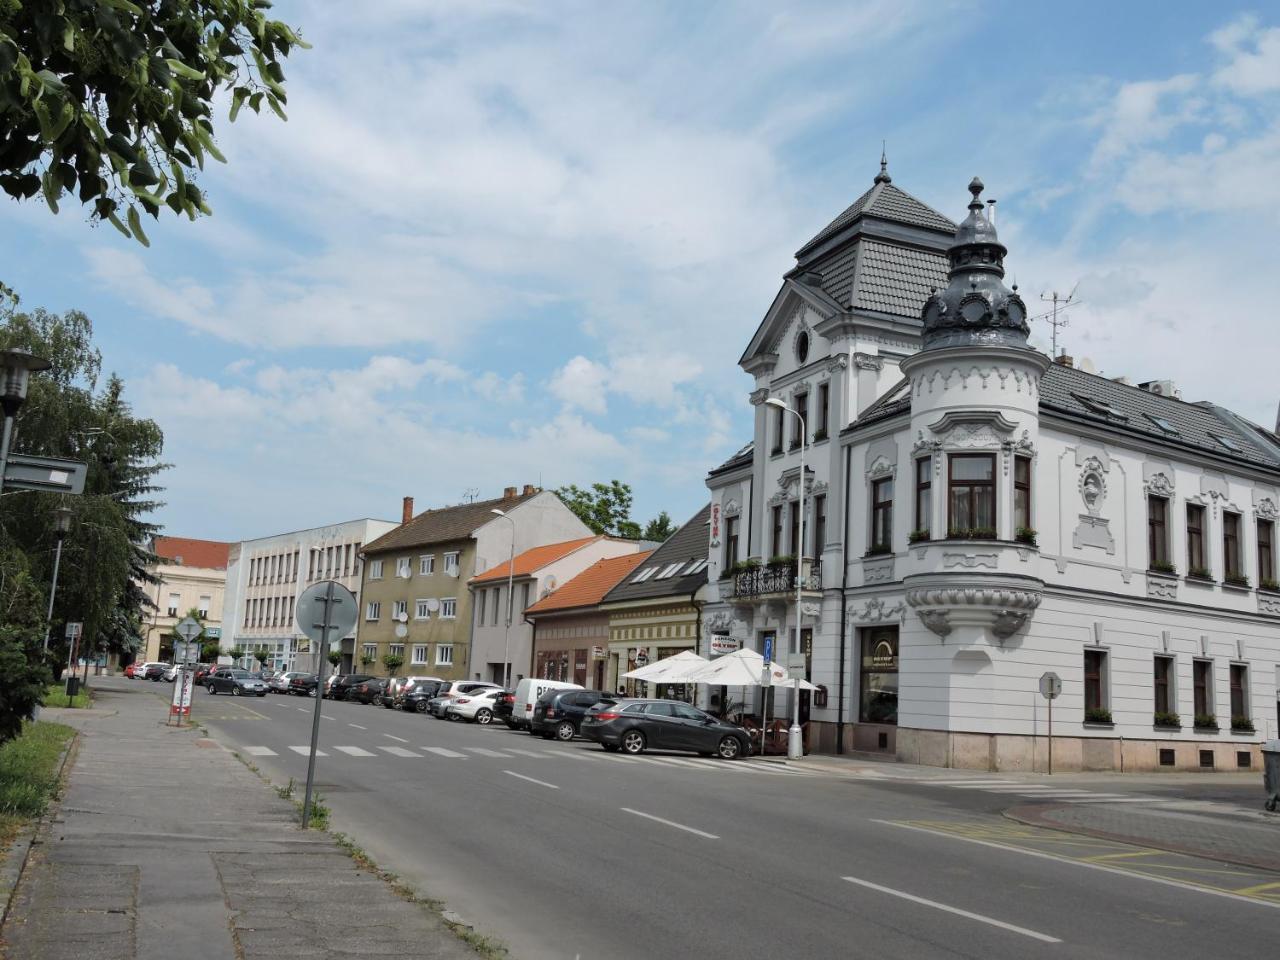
x,y
503,242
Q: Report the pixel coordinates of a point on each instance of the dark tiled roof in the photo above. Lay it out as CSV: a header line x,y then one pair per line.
x,y
896,401
741,458
687,544
896,279
887,202
837,273
443,525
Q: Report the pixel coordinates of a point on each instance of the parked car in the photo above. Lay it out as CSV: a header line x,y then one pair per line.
x,y
280,682
476,707
342,685
368,691
502,707
303,684
129,670
397,687
634,726
528,691
456,688
236,682
559,713
154,671
419,696
202,672
171,672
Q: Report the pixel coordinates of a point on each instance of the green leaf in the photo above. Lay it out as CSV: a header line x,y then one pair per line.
x,y
182,70
69,37
135,223
125,6
115,222
274,104
207,142
8,54
51,82
237,101
65,116
51,190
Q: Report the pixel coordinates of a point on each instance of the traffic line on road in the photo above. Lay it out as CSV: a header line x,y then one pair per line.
x,y
541,783
486,752
306,752
527,753
357,726
401,752
946,908
356,751
303,710
670,823
392,736
446,752
260,752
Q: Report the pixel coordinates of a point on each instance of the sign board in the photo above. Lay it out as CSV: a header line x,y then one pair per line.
x,y
51,474
1050,686
722,643
188,628
181,705
74,630
768,649
597,653
213,633
796,661
326,601
186,651
642,658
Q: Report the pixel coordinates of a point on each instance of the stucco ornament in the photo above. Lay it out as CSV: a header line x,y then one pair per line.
x,y
1093,486
1160,485
1000,607
1266,509
877,611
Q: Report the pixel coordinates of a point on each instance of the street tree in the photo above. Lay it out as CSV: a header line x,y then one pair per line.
x,y
393,662
24,673
606,509
111,101
659,528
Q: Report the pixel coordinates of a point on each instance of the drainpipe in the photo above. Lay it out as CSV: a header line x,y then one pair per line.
x,y
697,629
844,600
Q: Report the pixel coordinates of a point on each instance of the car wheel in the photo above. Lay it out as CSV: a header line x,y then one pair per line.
x,y
729,748
1271,804
610,747
212,689
422,706
312,692
484,716
565,730
633,742
236,691
262,693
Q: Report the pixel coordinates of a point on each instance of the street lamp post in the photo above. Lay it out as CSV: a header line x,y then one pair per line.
x,y
61,525
511,597
16,367
795,739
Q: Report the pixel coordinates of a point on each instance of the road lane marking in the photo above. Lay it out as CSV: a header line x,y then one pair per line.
x,y
525,753
325,716
401,752
357,726
356,751
1116,800
969,783
671,823
541,783
260,752
303,710
486,752
394,737
306,751
1188,885
445,752
1044,938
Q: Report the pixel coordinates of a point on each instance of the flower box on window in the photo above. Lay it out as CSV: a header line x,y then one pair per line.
x,y
1162,567
1169,721
917,536
1025,535
1097,715
1199,573
1206,721
972,533
1242,724
1236,580
878,550
819,436
1271,586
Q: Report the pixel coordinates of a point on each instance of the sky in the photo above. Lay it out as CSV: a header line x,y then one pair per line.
x,y
502,242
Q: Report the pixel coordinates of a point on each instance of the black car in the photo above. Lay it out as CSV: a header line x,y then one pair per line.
x,y
238,683
303,684
367,692
636,725
155,671
340,687
419,695
559,713
503,707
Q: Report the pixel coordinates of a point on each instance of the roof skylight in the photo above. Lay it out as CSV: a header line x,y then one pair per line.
x,y
1100,407
1228,443
669,570
1164,425
644,574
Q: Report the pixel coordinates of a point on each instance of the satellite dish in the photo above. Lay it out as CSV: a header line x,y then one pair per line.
x,y
433,605
401,630
1087,365
402,616
551,582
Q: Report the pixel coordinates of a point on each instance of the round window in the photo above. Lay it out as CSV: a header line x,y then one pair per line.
x,y
802,346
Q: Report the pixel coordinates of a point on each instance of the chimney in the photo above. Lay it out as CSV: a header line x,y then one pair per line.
x,y
529,490
508,493
1064,360
406,511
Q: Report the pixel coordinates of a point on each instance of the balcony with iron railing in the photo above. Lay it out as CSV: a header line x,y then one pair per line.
x,y
776,579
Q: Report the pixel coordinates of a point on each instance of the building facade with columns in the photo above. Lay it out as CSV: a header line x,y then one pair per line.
x,y
978,516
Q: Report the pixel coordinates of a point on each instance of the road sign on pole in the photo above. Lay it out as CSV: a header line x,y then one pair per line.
x,y
326,611
189,628
51,474
1050,688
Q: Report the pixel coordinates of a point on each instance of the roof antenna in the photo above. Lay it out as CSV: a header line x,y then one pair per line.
x,y
883,175
1060,305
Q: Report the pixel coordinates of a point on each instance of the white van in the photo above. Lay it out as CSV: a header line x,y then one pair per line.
x,y
528,691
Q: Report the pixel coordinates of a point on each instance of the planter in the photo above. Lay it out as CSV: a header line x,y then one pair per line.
x,y
918,536
1097,725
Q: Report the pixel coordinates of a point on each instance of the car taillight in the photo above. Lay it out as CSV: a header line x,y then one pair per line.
x,y
509,698
551,712
463,700
607,716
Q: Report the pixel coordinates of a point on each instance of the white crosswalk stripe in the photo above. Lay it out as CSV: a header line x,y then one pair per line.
x,y
401,752
260,752
1042,791
526,753
446,752
306,751
486,752
356,751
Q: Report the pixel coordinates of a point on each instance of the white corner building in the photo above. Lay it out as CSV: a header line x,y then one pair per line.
x,y
977,516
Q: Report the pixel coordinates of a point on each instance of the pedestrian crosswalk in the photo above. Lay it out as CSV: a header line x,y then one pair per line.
x,y
568,752
1040,791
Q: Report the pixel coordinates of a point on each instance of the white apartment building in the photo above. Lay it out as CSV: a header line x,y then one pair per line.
x,y
265,577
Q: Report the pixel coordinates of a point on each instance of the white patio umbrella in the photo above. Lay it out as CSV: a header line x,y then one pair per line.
x,y
744,668
674,669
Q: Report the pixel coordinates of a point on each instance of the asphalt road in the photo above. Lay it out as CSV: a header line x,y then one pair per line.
x,y
563,851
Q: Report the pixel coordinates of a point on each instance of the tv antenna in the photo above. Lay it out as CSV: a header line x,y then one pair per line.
x,y
1054,315
469,495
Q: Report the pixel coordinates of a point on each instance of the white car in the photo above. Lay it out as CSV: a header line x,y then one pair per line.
x,y
476,706
172,673
280,682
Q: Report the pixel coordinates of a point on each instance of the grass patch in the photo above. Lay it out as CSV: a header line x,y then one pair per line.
x,y
29,774
56,696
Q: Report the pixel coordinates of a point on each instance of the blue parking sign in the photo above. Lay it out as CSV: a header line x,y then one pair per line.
x,y
768,649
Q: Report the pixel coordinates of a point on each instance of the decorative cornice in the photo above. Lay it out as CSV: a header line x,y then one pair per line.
x,y
838,362
759,396
957,418
875,611
868,361
1159,485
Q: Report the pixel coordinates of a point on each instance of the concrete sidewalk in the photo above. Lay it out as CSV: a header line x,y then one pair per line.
x,y
165,845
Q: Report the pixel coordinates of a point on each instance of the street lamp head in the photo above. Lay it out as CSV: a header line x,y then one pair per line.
x,y
16,367
62,521
500,513
776,402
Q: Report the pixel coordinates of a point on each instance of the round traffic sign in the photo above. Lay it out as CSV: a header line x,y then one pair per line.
x,y
337,601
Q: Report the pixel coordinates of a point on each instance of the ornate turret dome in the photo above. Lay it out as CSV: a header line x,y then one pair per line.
x,y
975,308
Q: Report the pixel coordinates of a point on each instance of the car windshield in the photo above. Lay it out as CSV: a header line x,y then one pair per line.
x,y
238,674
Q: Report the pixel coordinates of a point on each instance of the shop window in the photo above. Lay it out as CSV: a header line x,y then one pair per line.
x,y
878,701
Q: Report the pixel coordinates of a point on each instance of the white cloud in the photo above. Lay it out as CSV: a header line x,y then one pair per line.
x,y
1253,56
581,383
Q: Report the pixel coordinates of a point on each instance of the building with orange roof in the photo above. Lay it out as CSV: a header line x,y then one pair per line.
x,y
570,631
192,575
500,633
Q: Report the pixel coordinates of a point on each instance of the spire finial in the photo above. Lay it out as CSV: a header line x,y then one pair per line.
x,y
883,175
976,187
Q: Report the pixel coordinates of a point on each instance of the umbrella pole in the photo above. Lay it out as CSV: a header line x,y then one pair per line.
x,y
764,715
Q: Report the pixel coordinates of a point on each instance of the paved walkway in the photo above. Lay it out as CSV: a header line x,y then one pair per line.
x,y
166,846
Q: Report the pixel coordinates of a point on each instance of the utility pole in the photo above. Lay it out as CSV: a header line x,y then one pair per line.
x,y
1060,303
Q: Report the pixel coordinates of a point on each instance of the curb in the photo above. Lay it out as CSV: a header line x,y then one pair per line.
x,y
1030,816
19,854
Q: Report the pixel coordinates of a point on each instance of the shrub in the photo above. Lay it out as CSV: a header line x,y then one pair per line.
x,y
1206,721
782,560
1200,573
972,533
1025,535
1243,724
1267,583
1168,720
1236,580
916,536
1097,715
1162,567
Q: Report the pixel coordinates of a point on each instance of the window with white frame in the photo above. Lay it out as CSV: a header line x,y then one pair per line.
x,y
449,611
370,651
375,569
399,608
1097,702
427,564
419,653
402,567
373,610
204,606
175,600
444,654
451,563
396,650
422,610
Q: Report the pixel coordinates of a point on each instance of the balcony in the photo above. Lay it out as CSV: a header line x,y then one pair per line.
x,y
776,580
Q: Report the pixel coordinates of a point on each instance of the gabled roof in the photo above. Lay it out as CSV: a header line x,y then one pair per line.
x,y
444,524
184,551
589,587
743,458
685,547
886,202
534,559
